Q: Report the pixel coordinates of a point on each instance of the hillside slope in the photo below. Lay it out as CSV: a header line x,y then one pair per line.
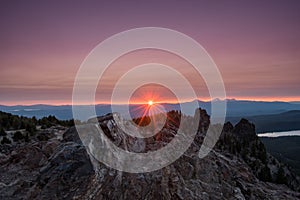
x,y
285,149
285,121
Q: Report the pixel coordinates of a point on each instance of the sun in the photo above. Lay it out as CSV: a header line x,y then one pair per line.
x,y
150,103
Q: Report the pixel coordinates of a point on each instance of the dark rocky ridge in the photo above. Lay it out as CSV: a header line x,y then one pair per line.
x,y
62,169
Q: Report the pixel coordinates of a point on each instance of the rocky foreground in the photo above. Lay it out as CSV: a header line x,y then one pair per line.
x,y
56,165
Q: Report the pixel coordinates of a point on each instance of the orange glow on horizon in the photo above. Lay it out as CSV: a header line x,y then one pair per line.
x,y
267,99
143,102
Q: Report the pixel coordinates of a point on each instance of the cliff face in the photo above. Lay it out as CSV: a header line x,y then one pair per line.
x,y
62,168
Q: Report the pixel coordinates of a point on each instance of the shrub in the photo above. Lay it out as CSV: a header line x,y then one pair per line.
x,y
18,136
31,128
26,137
5,140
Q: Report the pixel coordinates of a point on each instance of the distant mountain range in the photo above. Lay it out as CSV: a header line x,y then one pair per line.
x,y
235,108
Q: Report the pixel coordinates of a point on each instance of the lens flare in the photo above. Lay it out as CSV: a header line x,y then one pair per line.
x,y
150,103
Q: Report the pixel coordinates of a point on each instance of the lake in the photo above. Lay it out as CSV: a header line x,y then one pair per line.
x,y
278,134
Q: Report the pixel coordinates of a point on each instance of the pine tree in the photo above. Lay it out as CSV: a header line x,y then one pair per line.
x,y
280,176
18,136
5,140
265,174
2,132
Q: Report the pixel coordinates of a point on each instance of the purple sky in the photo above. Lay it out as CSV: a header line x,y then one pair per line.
x,y
256,44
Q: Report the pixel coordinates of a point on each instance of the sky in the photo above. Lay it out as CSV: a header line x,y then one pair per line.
x,y
255,44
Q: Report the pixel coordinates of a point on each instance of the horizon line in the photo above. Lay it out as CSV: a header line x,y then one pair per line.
x,y
269,100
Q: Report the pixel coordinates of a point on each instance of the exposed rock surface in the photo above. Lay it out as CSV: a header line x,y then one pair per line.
x,y
62,168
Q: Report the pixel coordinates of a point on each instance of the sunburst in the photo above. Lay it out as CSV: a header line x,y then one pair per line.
x,y
150,103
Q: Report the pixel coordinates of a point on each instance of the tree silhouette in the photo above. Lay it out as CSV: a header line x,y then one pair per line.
x,y
280,176
18,136
5,140
2,132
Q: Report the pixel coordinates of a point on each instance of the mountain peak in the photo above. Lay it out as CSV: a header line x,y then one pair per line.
x,y
245,129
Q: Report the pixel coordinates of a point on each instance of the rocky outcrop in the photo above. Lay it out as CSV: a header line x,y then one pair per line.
x,y
245,130
241,141
51,169
67,174
63,169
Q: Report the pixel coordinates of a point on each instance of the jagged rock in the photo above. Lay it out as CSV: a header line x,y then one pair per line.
x,y
228,127
71,135
66,174
63,169
245,129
